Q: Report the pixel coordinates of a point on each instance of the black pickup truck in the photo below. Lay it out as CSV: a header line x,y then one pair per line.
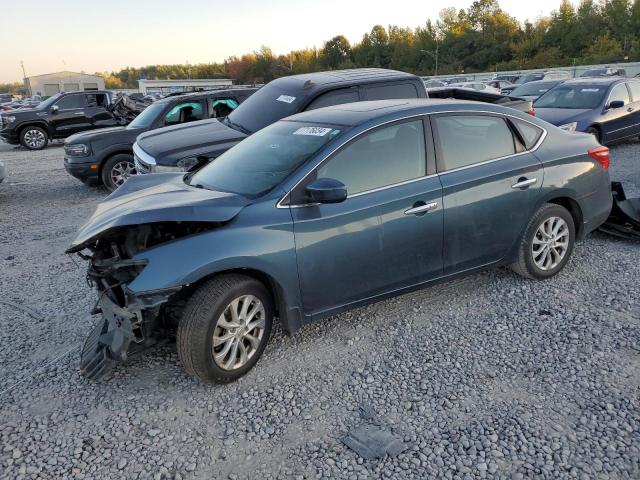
x,y
57,117
187,147
105,156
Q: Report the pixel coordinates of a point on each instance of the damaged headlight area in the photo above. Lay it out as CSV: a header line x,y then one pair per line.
x,y
130,322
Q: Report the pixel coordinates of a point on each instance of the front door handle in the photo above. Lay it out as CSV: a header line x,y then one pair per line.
x,y
524,182
78,113
418,209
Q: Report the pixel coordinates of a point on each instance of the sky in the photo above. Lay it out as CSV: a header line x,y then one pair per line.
x,y
107,36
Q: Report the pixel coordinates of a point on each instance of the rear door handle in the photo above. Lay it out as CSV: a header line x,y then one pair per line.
x,y
421,208
524,182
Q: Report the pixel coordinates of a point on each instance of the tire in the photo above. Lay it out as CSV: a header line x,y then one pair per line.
x,y
595,132
203,319
34,138
116,170
532,260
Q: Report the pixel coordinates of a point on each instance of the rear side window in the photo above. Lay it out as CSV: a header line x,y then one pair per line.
x,y
336,97
529,133
635,91
388,92
221,107
96,100
69,102
387,156
619,93
464,140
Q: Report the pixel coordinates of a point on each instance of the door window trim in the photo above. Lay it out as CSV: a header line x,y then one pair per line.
x,y
626,85
430,144
71,109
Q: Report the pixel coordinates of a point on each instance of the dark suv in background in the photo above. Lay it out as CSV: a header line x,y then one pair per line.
x,y
106,156
57,117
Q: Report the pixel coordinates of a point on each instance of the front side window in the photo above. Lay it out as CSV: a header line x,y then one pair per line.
x,y
464,140
335,97
384,157
148,116
263,160
619,93
184,112
69,102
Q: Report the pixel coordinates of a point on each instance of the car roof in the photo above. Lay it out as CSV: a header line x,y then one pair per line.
x,y
205,94
594,80
356,76
353,114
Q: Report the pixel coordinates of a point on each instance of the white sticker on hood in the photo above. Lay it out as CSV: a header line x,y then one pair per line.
x,y
314,131
286,99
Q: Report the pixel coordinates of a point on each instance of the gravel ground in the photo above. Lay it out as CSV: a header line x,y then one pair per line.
x,y
490,376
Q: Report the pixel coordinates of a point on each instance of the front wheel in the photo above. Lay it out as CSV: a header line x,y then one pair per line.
x,y
547,243
225,328
34,138
116,170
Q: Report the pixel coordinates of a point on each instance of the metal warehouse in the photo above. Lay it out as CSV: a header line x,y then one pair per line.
x,y
49,84
190,85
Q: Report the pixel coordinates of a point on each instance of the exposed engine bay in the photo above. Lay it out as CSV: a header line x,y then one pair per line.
x,y
129,322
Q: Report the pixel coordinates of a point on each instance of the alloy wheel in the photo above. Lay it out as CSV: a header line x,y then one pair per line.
x,y
238,333
550,243
121,171
34,139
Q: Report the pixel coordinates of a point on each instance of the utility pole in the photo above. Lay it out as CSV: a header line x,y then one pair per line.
x,y
24,78
435,56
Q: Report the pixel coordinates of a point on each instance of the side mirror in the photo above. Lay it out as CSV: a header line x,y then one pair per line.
x,y
616,104
327,190
55,109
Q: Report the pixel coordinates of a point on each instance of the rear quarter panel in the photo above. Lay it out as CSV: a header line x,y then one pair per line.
x,y
570,172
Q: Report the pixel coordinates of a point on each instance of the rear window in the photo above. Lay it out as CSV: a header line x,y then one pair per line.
x,y
335,97
389,92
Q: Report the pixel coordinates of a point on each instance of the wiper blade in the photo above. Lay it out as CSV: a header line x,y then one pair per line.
x,y
236,126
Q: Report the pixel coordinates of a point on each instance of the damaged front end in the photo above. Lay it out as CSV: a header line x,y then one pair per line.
x,y
130,322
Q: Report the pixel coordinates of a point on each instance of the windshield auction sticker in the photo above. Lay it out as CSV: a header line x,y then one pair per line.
x,y
286,99
313,131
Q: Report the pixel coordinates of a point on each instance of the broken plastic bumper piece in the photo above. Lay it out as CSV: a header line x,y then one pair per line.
x,y
624,219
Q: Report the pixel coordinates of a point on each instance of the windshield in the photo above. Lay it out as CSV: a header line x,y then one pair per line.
x,y
572,96
533,89
266,106
49,101
263,160
529,78
148,115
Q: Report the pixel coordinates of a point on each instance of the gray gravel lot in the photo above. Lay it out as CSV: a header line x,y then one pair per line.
x,y
490,376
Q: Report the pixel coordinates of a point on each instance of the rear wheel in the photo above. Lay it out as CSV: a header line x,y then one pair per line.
x,y
116,170
547,243
225,328
34,138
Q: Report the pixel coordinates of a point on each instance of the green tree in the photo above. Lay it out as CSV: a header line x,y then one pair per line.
x,y
336,52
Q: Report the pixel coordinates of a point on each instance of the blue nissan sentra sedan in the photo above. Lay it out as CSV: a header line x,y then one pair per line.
x,y
327,210
606,107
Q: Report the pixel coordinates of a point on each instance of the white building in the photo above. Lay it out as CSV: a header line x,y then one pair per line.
x,y
51,83
193,85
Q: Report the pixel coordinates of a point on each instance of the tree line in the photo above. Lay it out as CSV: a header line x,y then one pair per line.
x,y
480,38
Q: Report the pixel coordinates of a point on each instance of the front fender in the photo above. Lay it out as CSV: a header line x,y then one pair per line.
x,y
247,242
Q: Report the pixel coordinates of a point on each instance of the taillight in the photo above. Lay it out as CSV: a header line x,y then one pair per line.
x,y
532,111
601,154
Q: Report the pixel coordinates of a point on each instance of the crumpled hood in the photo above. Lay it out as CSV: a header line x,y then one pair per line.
x,y
161,197
560,116
169,144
